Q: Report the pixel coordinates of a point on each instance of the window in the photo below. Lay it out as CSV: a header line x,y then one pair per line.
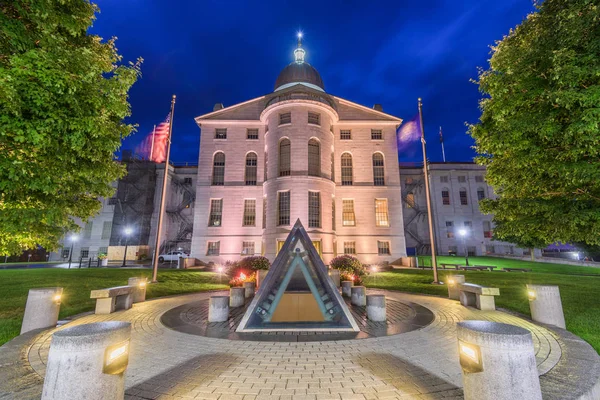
x,y
510,249
345,134
84,252
251,166
332,167
462,179
317,244
479,178
283,208
112,201
383,248
102,250
216,212
221,133
489,249
213,248
376,134
349,247
65,253
284,158
445,197
348,217
264,213
252,134
346,169
472,251
248,248
410,200
378,170
480,194
314,209
452,250
314,118
249,212
443,179
468,225
314,158
450,229
266,165
487,229
106,229
87,230
333,214
187,181
464,201
218,178
285,118
381,213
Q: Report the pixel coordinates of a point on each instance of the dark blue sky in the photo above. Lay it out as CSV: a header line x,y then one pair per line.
x,y
388,52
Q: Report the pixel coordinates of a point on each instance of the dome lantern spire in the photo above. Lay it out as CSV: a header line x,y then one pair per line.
x,y
299,52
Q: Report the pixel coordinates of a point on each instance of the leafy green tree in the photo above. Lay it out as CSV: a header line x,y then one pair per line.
x,y
63,98
538,133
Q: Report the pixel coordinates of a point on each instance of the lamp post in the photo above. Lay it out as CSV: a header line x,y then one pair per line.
x,y
463,235
73,240
127,232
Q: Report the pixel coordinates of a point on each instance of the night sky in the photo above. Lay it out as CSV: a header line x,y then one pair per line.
x,y
388,52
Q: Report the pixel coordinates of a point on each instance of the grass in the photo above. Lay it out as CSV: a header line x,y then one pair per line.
x,y
579,287
77,284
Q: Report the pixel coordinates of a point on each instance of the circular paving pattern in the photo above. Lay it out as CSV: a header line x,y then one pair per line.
x,y
192,318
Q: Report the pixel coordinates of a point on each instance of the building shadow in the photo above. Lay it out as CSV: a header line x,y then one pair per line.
x,y
192,379
406,379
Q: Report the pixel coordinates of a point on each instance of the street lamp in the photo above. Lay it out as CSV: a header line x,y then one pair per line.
x,y
73,240
463,235
127,232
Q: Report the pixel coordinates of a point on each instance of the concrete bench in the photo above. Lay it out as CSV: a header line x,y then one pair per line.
x,y
481,297
516,269
450,266
488,267
469,268
112,299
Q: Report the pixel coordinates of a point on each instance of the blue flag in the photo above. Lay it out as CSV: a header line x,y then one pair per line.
x,y
409,132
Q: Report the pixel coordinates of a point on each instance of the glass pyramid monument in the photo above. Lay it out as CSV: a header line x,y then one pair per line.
x,y
297,293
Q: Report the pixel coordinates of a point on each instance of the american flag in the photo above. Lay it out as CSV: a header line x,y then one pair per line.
x,y
154,146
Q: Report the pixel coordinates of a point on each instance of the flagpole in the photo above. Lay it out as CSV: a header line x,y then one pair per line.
x,y
162,196
428,196
442,141
152,147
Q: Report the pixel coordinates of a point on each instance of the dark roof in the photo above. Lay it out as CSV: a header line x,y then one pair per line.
x,y
299,72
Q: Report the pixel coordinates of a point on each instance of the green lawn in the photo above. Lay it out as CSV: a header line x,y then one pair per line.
x,y
580,293
77,284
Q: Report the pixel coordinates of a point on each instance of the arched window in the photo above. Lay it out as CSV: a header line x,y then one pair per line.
x,y
332,167
314,158
378,170
284,158
218,177
480,194
251,165
410,200
346,169
464,199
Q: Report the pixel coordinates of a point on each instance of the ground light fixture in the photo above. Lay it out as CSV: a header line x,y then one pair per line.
x,y
531,294
57,298
470,357
451,281
116,358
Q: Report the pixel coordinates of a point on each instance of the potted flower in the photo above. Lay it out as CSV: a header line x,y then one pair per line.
x,y
103,259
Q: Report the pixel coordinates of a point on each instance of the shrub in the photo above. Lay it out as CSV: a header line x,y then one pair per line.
x,y
351,269
255,263
102,256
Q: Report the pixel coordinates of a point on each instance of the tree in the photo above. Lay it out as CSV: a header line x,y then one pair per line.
x,y
63,98
538,134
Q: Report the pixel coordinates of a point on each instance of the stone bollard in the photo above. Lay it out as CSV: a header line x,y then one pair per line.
x,y
41,310
88,362
347,288
261,274
250,288
454,282
376,307
335,276
218,309
545,305
359,296
139,294
498,361
237,296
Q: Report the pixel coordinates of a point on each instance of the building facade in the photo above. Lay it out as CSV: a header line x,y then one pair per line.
x,y
460,227
298,153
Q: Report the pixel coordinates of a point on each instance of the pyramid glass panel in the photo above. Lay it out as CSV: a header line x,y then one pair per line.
x,y
297,293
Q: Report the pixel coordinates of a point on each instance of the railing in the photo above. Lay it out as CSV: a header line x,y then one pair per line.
x,y
300,96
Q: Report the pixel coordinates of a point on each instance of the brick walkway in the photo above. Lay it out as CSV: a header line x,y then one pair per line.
x,y
422,364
